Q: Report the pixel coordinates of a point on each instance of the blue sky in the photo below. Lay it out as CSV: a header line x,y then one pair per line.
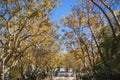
x,y
63,9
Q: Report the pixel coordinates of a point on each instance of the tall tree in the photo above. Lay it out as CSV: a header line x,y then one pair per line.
x,y
20,21
92,31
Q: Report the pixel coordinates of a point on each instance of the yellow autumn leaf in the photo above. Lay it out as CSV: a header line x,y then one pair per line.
x,y
69,35
76,25
48,3
73,20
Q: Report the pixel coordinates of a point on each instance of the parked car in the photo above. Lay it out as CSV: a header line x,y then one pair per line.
x,y
63,75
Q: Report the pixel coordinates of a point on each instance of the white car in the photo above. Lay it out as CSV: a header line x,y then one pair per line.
x,y
63,75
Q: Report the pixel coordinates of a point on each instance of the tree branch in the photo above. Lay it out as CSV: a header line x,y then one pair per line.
x,y
112,27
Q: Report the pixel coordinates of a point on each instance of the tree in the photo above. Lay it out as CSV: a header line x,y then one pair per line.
x,y
89,33
37,61
21,22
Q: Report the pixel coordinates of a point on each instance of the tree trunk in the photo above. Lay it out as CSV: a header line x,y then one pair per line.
x,y
2,70
108,72
106,65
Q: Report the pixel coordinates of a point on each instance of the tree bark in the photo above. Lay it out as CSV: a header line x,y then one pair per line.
x,y
2,70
